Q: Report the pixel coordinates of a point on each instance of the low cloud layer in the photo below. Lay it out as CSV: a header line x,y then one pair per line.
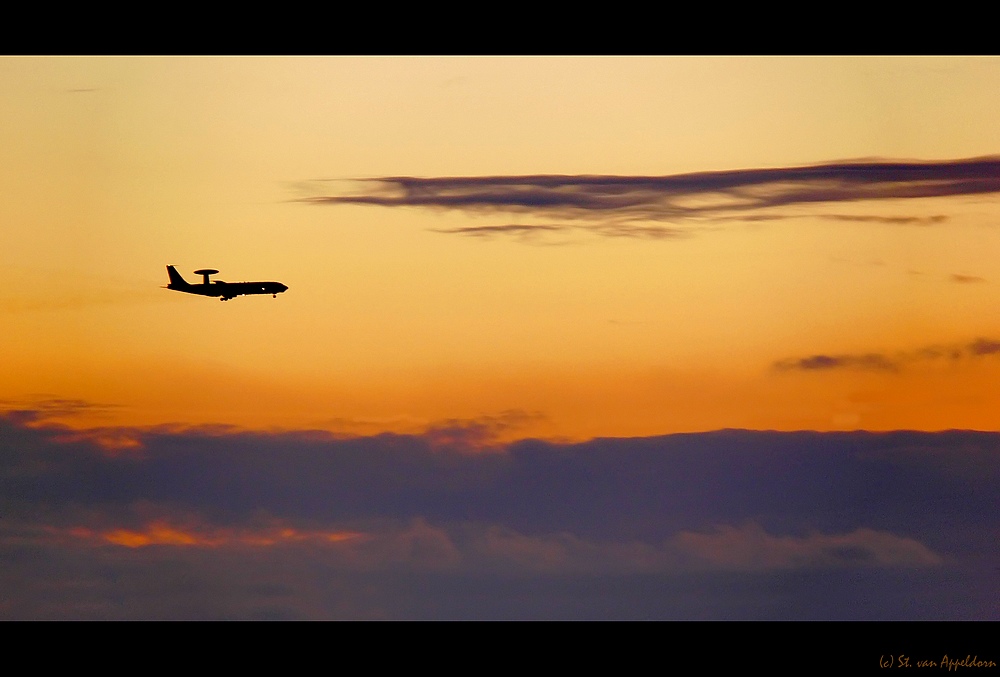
x,y
224,523
624,206
417,545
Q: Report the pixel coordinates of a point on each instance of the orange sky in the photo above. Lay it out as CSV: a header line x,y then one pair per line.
x,y
115,167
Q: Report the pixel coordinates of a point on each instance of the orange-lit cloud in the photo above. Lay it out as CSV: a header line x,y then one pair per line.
x,y
59,414
163,533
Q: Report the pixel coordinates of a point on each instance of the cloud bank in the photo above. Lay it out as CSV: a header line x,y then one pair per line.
x,y
223,523
624,206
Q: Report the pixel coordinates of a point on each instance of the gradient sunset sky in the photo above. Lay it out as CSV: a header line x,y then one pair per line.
x,y
482,250
606,323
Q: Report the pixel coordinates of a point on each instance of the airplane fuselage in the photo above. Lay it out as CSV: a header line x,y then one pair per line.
x,y
224,290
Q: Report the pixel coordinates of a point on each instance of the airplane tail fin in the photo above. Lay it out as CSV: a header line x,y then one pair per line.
x,y
176,281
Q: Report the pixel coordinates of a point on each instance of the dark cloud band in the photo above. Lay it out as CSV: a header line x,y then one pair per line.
x,y
614,200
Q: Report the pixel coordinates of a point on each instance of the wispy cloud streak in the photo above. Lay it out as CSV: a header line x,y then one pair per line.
x,y
611,201
901,220
873,361
44,408
966,279
893,362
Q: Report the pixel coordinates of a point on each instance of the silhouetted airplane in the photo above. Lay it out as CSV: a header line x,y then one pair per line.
x,y
224,290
